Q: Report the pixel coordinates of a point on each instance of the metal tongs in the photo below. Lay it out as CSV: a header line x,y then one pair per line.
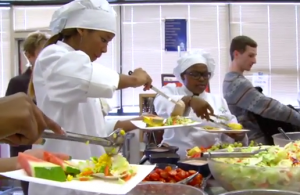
x,y
188,179
112,143
159,92
228,154
219,122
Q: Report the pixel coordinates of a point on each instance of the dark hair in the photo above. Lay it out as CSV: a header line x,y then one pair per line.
x,y
240,43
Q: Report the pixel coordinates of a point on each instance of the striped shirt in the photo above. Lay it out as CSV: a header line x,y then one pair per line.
x,y
242,98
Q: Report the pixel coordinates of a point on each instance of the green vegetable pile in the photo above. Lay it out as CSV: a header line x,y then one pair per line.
x,y
275,168
232,145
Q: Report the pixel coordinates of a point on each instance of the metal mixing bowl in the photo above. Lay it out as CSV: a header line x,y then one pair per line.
x,y
239,177
165,189
261,192
280,140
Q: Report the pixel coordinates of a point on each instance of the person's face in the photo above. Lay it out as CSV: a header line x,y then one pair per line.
x,y
196,78
94,43
247,59
32,57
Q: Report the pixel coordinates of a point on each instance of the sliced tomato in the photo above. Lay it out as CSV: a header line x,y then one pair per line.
x,y
164,174
154,176
172,173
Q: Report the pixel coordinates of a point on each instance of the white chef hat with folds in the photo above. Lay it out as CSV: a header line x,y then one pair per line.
x,y
86,14
191,58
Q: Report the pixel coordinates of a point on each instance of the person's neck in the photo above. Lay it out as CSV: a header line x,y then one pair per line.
x,y
235,68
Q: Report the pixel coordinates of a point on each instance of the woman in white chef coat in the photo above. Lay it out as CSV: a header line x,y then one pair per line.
x,y
68,84
194,71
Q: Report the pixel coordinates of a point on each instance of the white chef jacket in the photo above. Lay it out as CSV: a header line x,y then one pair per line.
x,y
298,99
189,137
67,88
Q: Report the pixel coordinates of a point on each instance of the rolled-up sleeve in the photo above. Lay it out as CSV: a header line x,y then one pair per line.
x,y
70,76
110,125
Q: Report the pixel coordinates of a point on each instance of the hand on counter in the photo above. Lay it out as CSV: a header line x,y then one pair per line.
x,y
22,122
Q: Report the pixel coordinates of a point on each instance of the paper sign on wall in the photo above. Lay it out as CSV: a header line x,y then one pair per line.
x,y
261,80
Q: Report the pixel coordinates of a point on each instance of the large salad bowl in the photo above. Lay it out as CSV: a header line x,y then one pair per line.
x,y
280,140
155,188
234,176
261,192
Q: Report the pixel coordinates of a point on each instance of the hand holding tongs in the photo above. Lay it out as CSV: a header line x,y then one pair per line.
x,y
112,143
159,92
219,122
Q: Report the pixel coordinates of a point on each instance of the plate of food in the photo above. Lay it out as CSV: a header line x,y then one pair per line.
x,y
159,123
118,176
196,151
234,128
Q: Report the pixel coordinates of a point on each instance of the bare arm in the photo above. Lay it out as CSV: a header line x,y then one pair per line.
x,y
126,125
127,81
241,93
8,164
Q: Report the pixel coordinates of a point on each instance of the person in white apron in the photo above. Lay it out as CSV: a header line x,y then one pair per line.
x,y
194,71
68,83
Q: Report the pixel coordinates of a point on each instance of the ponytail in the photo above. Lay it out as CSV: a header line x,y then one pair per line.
x,y
30,90
58,37
54,39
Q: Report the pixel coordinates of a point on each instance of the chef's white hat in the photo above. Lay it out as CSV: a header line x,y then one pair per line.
x,y
86,14
191,58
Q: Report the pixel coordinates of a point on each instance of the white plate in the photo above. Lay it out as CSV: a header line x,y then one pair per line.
x,y
224,130
101,175
96,185
143,126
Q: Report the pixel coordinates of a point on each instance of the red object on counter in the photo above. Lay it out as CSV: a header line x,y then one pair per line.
x,y
168,175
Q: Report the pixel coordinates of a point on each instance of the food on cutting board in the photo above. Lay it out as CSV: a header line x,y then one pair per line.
x,y
53,168
195,152
276,168
169,175
159,122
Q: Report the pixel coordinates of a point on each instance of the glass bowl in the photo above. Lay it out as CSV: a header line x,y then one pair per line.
x,y
154,188
281,141
240,177
261,192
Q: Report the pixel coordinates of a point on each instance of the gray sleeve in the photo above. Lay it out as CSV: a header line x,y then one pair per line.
x,y
241,93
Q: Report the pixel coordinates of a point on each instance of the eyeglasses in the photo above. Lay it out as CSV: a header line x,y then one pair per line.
x,y
198,75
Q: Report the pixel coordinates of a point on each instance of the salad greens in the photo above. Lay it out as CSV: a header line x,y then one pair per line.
x,y
178,120
109,166
276,168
